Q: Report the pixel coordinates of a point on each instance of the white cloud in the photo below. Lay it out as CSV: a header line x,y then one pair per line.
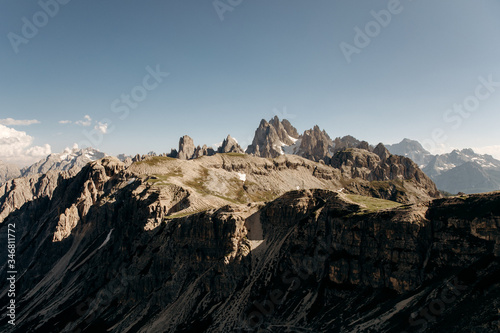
x,y
38,151
12,122
101,127
17,147
87,121
490,150
65,121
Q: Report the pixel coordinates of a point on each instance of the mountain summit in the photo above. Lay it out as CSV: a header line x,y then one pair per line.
x,y
270,138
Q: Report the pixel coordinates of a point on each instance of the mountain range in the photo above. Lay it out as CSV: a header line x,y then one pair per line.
x,y
339,237
476,173
459,171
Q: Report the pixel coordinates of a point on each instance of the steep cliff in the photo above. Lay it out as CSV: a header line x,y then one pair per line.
x,y
101,253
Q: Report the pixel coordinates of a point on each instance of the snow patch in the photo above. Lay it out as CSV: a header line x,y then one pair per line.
x,y
292,149
242,176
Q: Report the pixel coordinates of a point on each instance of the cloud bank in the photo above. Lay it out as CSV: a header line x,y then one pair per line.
x,y
16,147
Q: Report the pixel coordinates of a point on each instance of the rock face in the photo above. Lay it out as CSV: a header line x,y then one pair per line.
x,y
8,172
345,142
100,255
316,145
186,148
230,145
203,151
271,136
381,166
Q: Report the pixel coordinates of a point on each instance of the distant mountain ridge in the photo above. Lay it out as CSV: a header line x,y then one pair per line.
x,y
457,171
277,137
71,160
412,149
8,172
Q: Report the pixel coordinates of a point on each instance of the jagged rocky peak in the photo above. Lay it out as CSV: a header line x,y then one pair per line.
x,y
203,151
292,131
286,137
71,160
382,151
230,145
186,148
347,141
316,144
270,138
380,165
364,145
412,149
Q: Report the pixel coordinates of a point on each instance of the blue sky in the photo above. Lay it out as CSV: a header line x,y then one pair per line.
x,y
264,58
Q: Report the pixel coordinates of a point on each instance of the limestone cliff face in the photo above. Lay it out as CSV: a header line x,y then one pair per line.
x,y
271,136
311,260
315,145
230,145
186,148
380,165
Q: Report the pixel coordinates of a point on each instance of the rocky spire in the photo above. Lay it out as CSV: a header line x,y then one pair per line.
x,y
186,148
271,136
316,145
230,145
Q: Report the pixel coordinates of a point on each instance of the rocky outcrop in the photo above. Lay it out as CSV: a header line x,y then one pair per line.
x,y
203,151
345,142
186,148
188,151
381,151
270,137
379,166
316,145
311,260
230,145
